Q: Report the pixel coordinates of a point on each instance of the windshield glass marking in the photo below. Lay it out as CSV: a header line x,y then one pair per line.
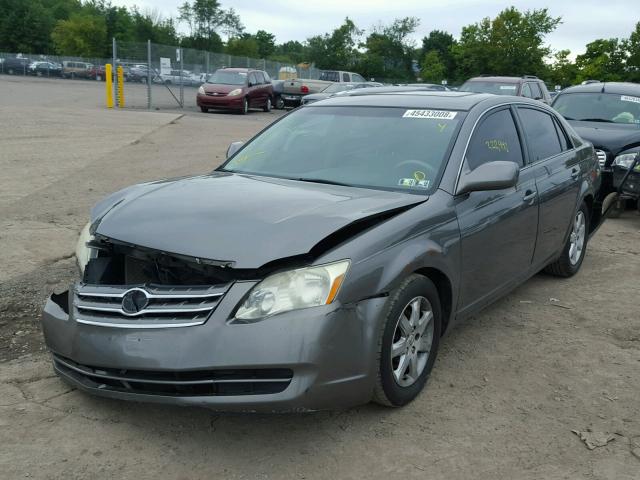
x,y
627,98
439,114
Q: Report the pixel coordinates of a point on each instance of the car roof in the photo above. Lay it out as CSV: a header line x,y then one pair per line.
x,y
377,97
622,88
505,79
236,69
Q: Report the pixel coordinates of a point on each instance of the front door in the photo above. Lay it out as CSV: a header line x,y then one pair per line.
x,y
498,228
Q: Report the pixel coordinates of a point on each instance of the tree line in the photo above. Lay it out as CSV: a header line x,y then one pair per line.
x,y
512,43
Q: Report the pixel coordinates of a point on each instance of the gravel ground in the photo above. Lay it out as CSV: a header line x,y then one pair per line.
x,y
509,387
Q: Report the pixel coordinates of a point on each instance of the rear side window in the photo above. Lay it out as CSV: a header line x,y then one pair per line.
x,y
252,78
259,77
345,77
526,91
541,134
535,90
565,144
496,138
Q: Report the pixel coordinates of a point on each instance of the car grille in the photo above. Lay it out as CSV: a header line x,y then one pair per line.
x,y
160,307
186,383
602,157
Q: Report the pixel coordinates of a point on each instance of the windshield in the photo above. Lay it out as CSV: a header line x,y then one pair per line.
x,y
338,87
224,77
603,107
385,148
497,88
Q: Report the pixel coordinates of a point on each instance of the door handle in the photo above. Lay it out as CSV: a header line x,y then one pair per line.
x,y
530,196
575,172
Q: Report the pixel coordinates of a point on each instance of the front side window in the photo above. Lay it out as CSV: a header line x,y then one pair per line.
x,y
358,78
345,77
373,147
526,91
495,139
599,107
536,90
541,134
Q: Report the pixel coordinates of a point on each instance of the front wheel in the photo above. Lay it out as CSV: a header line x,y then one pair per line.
x,y
245,106
576,247
267,106
408,343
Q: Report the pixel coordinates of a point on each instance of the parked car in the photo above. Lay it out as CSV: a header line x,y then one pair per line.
x,y
278,89
431,86
15,65
139,72
237,89
337,89
319,266
45,69
527,86
73,69
294,90
608,116
177,77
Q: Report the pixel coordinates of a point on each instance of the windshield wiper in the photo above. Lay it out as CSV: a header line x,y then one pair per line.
x,y
322,180
604,120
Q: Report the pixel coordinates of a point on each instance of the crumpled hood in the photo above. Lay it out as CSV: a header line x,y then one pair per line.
x,y
246,220
613,137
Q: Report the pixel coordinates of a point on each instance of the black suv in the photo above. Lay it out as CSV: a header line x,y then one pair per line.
x,y
528,86
15,66
608,115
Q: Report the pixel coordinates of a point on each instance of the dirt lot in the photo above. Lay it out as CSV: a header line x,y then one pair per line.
x,y
508,388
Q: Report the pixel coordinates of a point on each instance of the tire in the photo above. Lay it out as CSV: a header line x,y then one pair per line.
x,y
617,209
279,105
267,106
204,109
245,106
570,260
396,386
143,79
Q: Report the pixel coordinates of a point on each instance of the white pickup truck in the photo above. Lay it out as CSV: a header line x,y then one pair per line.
x,y
294,90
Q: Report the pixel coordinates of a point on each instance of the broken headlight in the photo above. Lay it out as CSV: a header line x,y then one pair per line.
x,y
83,252
293,290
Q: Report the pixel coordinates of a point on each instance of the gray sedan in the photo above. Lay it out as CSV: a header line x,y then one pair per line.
x,y
321,264
337,89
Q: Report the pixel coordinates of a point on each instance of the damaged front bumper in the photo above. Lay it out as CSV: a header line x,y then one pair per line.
x,y
309,359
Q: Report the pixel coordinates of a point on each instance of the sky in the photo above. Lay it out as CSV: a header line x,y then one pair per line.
x,y
583,20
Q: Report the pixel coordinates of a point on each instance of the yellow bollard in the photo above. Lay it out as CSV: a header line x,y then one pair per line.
x,y
120,86
108,80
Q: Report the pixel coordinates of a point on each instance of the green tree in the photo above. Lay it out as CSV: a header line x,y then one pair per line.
x,y
633,60
510,44
243,46
81,35
25,27
389,52
443,43
563,71
336,50
433,68
603,60
290,52
266,43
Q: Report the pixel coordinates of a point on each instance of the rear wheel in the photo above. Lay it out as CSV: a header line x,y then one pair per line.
x,y
204,109
267,106
279,103
576,247
408,342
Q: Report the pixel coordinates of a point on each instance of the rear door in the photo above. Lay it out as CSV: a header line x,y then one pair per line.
x,y
498,228
557,169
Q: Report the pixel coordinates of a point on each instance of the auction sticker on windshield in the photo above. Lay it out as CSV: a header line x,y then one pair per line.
x,y
436,114
628,98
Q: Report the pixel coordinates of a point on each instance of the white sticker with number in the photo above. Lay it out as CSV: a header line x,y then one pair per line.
x,y
433,114
629,98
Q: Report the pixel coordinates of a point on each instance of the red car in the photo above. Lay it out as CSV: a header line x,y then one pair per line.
x,y
236,89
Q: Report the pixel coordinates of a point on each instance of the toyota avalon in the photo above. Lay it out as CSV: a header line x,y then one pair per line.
x,y
320,265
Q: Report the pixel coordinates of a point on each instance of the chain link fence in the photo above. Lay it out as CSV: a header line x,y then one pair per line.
x,y
156,76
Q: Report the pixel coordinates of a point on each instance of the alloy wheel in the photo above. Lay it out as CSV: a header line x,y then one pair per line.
x,y
577,238
412,341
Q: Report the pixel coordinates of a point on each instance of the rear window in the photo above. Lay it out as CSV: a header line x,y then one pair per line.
x,y
330,76
497,88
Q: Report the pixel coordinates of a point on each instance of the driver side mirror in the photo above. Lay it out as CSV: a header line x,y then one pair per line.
x,y
496,175
233,148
